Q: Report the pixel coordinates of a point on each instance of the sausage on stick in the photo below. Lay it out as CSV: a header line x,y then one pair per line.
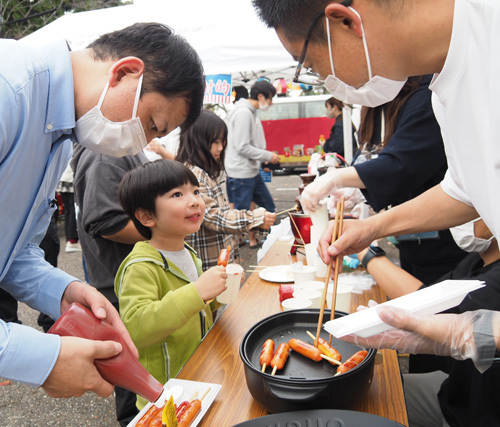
x,y
279,358
305,349
224,256
327,351
266,354
352,362
189,414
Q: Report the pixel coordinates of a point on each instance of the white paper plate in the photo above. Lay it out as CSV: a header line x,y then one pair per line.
x,y
185,390
430,300
277,274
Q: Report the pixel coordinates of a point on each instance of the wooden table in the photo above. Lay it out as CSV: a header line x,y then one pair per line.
x,y
217,358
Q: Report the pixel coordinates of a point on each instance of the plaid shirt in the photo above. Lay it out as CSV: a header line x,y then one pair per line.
x,y
220,223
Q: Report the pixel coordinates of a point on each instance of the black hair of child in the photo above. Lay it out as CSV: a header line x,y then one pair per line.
x,y
141,186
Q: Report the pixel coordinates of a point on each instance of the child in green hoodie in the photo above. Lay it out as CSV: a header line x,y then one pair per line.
x,y
162,292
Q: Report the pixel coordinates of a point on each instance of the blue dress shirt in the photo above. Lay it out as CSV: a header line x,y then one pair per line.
x,y
36,122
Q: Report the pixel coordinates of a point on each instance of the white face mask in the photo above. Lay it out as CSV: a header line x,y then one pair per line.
x,y
97,133
465,239
330,113
376,91
264,106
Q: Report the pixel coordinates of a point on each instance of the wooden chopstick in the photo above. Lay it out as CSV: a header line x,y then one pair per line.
x,y
327,279
288,210
338,260
335,235
296,228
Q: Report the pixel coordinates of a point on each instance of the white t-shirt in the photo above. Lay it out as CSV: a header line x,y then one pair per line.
x,y
466,102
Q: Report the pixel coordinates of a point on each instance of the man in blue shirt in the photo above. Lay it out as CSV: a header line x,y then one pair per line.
x,y
125,89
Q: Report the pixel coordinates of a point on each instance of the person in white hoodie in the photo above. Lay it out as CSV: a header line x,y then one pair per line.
x,y
244,151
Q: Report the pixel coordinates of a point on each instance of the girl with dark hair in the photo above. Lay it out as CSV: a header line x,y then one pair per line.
x,y
202,148
335,142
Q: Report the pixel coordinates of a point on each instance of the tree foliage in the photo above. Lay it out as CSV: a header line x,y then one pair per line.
x,y
19,18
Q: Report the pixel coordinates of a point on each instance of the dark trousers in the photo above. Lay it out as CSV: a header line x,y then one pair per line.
x,y
70,231
245,190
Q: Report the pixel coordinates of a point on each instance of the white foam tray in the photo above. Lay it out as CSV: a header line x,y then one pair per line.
x,y
184,390
430,300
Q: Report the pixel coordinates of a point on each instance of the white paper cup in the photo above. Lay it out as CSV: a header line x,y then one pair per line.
x,y
296,304
343,300
310,294
305,273
230,295
314,285
313,259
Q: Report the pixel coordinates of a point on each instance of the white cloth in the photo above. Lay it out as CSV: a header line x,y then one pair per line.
x,y
466,103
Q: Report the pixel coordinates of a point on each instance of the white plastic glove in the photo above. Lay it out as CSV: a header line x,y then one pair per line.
x,y
353,196
317,190
462,336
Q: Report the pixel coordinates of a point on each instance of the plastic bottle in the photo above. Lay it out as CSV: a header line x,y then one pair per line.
x,y
322,140
124,369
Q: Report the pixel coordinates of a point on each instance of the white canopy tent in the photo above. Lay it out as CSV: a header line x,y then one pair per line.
x,y
227,34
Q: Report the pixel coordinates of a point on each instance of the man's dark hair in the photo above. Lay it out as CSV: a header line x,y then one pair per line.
x,y
171,65
264,88
293,16
140,187
195,144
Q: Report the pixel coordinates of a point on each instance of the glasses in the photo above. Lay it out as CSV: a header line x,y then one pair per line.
x,y
311,78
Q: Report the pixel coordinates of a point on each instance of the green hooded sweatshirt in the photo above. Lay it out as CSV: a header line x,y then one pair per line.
x,y
162,310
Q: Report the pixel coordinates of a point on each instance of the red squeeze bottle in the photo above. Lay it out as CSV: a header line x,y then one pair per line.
x,y
124,369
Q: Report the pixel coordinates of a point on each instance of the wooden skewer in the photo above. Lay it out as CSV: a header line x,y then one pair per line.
x,y
296,228
264,367
328,271
311,335
330,359
338,260
274,370
204,394
288,210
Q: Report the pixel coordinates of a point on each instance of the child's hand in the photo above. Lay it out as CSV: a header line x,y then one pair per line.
x,y
212,282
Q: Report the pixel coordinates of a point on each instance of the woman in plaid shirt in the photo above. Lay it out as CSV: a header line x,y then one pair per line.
x,y
201,148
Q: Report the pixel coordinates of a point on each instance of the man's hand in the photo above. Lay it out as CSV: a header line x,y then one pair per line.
x,y
269,219
356,236
100,306
75,373
275,158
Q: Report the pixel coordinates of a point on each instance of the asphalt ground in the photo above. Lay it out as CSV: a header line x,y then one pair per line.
x,y
21,405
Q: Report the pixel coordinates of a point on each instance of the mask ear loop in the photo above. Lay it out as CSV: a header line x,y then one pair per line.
x,y
329,39
365,45
103,94
137,96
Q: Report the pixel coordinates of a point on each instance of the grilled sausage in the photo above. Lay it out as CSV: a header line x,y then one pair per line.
x,y
352,362
305,349
189,414
267,353
279,359
328,350
224,256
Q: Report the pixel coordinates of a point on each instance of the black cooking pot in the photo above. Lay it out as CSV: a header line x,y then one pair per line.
x,y
302,383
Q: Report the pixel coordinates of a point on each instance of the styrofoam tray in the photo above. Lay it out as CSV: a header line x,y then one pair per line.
x,y
430,300
184,390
